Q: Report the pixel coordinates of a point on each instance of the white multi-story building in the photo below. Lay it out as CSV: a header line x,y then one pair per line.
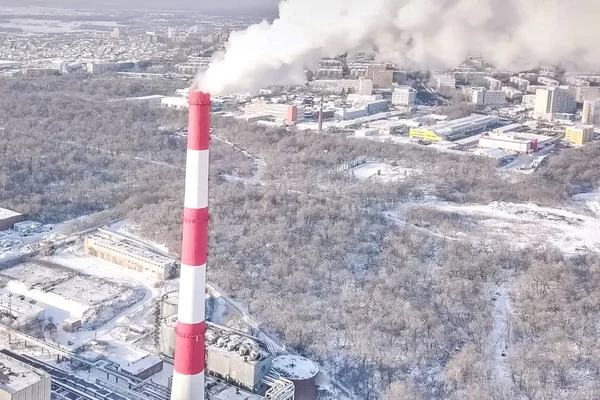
x,y
583,93
361,86
520,83
528,101
512,93
547,81
493,83
534,88
445,84
512,142
574,81
484,97
478,96
494,97
404,96
553,100
591,112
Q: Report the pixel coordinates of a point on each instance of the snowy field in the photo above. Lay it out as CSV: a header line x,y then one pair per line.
x,y
36,275
573,230
378,172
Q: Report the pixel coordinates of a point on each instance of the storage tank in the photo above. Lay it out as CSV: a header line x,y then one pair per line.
x,y
301,371
167,336
169,304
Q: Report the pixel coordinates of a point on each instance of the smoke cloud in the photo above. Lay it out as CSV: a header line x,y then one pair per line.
x,y
512,34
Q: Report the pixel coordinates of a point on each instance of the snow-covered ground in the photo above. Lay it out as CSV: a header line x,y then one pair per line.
x,y
522,225
589,202
380,172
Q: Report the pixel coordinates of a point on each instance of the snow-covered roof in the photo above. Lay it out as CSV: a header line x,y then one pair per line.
x,y
16,376
6,213
296,368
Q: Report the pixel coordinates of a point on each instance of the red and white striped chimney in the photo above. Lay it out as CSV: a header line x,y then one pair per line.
x,y
188,377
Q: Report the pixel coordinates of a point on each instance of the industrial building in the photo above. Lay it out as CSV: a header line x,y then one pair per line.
x,y
284,113
175,102
455,129
109,67
19,381
512,142
125,253
579,134
27,226
404,96
9,218
553,100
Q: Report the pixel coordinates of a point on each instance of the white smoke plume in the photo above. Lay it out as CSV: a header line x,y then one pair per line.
x,y
512,34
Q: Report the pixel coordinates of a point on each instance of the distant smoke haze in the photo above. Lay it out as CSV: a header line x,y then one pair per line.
x,y
512,34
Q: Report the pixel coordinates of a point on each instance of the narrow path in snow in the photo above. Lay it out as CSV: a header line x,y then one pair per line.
x,y
499,339
259,163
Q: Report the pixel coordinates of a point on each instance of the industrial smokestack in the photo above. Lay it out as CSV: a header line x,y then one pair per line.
x,y
188,377
321,117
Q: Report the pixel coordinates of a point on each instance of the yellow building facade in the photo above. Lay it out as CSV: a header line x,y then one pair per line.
x,y
424,134
579,134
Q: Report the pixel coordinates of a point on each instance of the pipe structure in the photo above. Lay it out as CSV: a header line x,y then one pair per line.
x,y
188,376
320,129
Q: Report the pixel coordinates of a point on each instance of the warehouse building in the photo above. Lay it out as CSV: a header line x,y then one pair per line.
x,y
455,129
19,381
9,218
121,251
512,142
285,113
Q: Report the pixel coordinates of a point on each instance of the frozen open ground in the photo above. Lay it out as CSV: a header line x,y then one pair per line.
x,y
379,172
522,225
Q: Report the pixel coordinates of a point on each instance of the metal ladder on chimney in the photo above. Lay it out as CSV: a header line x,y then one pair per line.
x,y
279,388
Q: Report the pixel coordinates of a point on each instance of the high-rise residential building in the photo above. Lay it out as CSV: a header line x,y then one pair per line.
x,y
382,77
484,97
493,83
445,84
494,97
553,100
478,96
547,81
591,112
404,96
579,134
583,93
521,83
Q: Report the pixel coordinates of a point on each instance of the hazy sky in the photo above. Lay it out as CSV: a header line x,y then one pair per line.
x,y
229,5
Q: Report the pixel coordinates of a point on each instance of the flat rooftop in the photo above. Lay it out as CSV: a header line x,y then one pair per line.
x,y
16,376
6,213
119,243
218,390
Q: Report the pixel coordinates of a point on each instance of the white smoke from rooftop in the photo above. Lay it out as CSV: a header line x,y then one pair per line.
x,y
512,34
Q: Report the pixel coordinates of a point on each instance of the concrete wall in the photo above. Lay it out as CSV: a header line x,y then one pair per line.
x,y
7,223
38,391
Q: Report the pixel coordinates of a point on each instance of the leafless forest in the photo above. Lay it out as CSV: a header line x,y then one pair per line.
x,y
389,310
